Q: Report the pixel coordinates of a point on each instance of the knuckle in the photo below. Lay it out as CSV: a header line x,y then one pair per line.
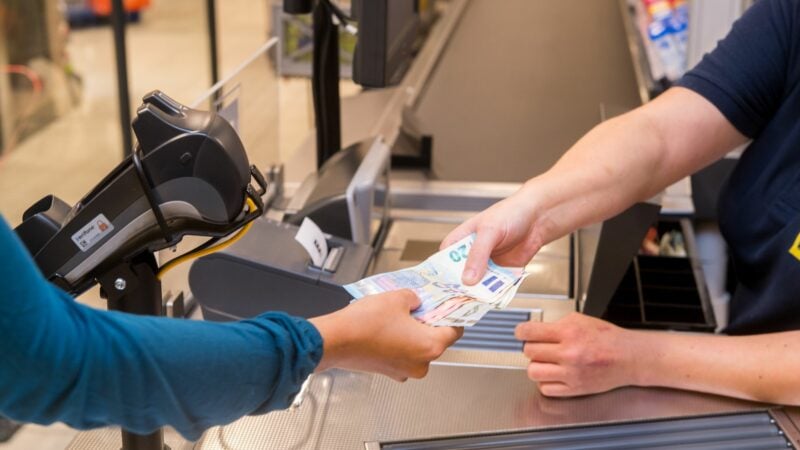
x,y
570,331
572,355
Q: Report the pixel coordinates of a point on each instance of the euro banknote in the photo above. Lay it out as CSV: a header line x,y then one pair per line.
x,y
445,300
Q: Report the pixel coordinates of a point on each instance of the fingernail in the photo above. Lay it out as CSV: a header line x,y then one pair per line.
x,y
469,276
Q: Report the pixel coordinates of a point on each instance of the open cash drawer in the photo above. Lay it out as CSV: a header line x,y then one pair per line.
x,y
664,292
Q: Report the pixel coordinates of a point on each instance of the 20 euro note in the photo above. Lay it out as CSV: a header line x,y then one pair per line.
x,y
445,300
466,311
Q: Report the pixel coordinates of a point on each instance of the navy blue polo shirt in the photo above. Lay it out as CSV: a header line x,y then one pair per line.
x,y
752,78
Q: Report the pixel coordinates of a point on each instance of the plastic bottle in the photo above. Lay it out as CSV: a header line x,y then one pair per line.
x,y
663,36
680,28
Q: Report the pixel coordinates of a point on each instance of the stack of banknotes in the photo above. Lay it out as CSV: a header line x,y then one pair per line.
x,y
446,301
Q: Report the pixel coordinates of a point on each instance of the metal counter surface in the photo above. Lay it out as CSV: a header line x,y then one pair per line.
x,y
344,410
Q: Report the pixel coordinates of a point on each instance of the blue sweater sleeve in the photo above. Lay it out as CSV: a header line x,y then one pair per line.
x,y
62,361
745,76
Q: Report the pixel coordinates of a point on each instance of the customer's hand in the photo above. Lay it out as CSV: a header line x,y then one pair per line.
x,y
505,232
578,355
377,334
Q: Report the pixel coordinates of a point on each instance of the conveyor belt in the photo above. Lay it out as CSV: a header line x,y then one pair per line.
x,y
494,332
754,431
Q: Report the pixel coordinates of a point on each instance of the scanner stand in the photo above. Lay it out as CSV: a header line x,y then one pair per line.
x,y
188,175
133,287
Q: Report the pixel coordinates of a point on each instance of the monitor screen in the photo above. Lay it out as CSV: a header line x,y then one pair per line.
x,y
387,33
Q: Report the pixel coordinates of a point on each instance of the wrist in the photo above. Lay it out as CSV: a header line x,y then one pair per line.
x,y
640,357
335,340
530,198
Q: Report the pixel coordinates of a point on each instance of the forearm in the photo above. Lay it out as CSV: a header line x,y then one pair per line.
x,y
65,362
62,361
760,367
628,159
613,166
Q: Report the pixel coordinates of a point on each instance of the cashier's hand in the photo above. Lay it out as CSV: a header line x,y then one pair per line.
x,y
577,355
506,233
377,334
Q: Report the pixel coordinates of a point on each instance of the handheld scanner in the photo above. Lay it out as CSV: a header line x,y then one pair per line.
x,y
188,175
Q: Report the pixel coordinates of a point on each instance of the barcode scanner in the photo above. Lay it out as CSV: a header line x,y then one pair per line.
x,y
188,175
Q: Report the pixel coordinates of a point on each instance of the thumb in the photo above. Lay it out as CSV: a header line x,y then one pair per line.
x,y
448,335
479,254
410,299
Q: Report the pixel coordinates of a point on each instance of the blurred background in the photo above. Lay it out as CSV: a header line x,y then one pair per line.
x,y
60,117
59,97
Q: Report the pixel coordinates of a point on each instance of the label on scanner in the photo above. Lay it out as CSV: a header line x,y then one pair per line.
x,y
92,233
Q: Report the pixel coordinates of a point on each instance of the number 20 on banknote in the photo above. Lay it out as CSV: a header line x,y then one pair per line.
x,y
459,253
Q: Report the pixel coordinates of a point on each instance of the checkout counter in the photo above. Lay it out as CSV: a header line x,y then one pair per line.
x,y
477,395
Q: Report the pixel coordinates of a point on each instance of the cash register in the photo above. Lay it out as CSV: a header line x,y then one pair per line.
x,y
268,271
347,197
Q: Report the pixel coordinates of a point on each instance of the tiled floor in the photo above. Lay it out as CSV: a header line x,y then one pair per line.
x,y
168,51
54,437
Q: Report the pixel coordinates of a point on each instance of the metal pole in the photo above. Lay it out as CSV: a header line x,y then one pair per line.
x,y
325,83
212,39
118,25
154,440
134,288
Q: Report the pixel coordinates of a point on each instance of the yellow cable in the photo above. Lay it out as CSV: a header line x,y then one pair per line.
x,y
181,259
